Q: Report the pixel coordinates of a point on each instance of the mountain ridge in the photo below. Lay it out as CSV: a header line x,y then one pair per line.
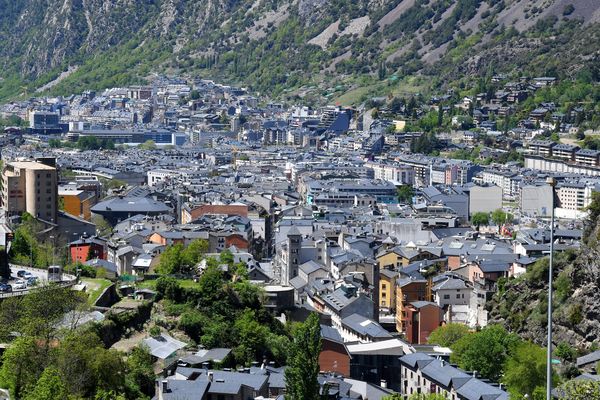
x,y
281,46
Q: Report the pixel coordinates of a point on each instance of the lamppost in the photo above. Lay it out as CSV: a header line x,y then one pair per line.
x,y
552,182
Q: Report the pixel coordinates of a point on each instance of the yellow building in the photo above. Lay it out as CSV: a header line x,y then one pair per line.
x,y
387,289
402,256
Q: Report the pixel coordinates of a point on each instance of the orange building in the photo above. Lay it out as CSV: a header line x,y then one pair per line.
x,y
77,202
408,290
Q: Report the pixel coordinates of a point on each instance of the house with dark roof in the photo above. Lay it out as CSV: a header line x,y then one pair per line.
x,y
422,373
120,208
589,361
334,356
357,328
205,384
422,318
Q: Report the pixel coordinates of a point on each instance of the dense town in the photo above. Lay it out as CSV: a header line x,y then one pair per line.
x,y
388,232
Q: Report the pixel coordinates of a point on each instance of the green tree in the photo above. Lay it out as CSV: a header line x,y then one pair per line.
x,y
169,288
226,257
405,194
448,334
148,145
22,364
580,390
525,370
480,218
102,226
140,373
171,260
303,364
565,352
500,217
51,385
193,254
484,351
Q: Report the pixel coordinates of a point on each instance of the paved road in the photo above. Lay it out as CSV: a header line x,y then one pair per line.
x,y
41,274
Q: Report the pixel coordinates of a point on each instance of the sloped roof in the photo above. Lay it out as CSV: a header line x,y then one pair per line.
x,y
163,346
365,326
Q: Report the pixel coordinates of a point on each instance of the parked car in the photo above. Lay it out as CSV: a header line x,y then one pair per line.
x,y
21,273
28,275
21,284
5,288
32,281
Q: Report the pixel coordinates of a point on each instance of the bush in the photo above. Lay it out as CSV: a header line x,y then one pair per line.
x,y
575,314
568,10
169,288
565,352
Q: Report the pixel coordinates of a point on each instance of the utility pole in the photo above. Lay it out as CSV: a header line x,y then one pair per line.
x,y
552,182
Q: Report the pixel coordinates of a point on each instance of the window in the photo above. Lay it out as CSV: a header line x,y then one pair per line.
x,y
446,296
383,286
458,295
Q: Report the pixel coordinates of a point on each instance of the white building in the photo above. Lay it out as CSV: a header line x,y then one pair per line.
x,y
160,175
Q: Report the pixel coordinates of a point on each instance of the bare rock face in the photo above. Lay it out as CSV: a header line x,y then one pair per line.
x,y
576,318
309,9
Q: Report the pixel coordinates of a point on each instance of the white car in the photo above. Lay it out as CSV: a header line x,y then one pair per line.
x,y
20,285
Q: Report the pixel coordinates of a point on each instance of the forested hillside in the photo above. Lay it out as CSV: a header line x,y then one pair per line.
x,y
296,48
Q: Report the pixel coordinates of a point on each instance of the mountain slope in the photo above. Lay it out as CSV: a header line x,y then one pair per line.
x,y
282,45
521,304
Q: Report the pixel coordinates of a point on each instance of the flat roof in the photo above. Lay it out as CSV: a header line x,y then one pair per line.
x,y
31,165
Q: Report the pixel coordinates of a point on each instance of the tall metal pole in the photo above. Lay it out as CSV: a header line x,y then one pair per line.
x,y
552,183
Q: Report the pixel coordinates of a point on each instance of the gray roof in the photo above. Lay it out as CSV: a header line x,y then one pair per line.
x,y
216,355
448,376
226,382
163,346
330,333
451,284
365,326
297,282
588,358
421,304
337,300
310,266
130,204
185,390
475,389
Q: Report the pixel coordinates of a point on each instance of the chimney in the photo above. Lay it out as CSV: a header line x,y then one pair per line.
x,y
209,375
474,374
383,384
165,386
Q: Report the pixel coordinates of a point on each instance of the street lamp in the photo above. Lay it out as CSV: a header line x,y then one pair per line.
x,y
552,182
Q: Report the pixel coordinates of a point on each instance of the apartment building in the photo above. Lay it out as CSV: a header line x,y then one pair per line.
x,y
422,373
29,186
574,195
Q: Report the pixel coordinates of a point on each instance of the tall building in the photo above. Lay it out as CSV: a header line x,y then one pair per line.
x,y
29,186
44,122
